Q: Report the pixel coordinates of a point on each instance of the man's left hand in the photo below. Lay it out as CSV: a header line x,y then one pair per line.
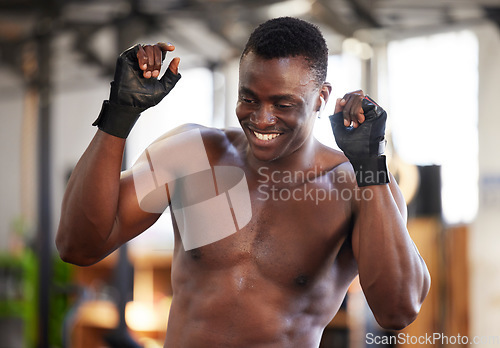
x,y
350,106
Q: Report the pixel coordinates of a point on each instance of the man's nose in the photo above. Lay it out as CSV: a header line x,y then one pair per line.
x,y
263,117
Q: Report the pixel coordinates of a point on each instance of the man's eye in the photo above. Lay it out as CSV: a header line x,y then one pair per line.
x,y
246,100
283,106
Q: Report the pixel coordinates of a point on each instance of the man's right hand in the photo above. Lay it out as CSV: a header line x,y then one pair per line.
x,y
135,81
136,88
150,58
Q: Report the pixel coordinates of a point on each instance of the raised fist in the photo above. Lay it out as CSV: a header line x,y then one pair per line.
x,y
135,82
359,129
136,87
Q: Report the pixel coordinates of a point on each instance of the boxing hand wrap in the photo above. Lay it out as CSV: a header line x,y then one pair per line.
x,y
131,94
364,146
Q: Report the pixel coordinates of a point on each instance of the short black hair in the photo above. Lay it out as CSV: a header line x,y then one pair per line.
x,y
290,37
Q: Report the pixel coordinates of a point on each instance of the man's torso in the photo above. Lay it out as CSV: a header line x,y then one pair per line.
x,y
280,279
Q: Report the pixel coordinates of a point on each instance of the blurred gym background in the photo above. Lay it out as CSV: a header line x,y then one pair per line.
x,y
432,64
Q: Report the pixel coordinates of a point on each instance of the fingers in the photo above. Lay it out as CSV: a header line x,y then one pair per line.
x,y
174,65
350,105
150,58
166,47
339,105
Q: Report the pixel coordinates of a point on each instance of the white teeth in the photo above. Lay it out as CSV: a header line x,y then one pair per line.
x,y
266,136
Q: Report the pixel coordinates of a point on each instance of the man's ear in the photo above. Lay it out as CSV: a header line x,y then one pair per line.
x,y
325,92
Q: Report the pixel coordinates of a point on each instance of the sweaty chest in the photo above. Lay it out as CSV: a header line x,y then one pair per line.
x,y
292,237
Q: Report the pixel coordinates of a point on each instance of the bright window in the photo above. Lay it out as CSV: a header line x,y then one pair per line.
x,y
433,105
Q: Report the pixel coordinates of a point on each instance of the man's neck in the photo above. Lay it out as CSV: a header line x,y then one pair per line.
x,y
301,160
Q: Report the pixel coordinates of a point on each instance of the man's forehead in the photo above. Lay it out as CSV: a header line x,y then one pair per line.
x,y
253,58
254,65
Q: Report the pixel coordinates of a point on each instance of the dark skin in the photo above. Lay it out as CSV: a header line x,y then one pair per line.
x,y
279,280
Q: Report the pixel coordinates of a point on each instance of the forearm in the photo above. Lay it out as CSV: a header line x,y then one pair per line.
x,y
394,277
90,202
99,211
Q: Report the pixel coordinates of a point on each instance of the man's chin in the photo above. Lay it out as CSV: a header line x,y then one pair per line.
x,y
263,155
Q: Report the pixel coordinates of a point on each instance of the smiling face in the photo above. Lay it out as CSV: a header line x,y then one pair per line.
x,y
277,100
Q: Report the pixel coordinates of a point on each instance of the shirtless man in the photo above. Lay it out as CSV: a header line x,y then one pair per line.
x,y
281,278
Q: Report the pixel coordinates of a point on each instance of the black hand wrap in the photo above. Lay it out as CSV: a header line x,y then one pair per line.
x,y
131,94
364,146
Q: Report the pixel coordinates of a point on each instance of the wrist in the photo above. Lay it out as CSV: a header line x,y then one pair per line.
x,y
371,170
116,119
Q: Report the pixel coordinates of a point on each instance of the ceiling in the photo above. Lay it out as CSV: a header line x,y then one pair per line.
x,y
208,32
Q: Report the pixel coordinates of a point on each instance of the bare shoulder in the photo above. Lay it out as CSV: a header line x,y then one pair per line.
x,y
217,142
233,133
224,141
337,165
